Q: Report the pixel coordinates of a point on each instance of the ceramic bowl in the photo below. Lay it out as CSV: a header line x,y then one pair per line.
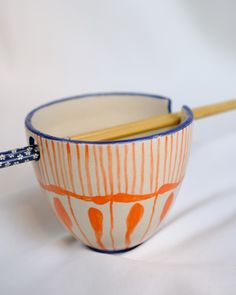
x,y
110,195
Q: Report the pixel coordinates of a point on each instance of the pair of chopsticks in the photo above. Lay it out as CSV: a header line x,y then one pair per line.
x,y
153,123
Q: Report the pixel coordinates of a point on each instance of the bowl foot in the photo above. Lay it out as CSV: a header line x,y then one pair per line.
x,y
113,251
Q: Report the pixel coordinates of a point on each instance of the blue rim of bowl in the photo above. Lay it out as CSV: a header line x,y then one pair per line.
x,y
30,127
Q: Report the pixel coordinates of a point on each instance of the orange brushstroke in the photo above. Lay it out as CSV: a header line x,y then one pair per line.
x,y
118,166
133,218
151,165
166,206
50,161
96,170
96,220
142,170
62,214
112,225
176,154
125,167
55,162
43,159
87,170
120,197
171,152
134,168
79,168
165,158
61,164
181,154
70,166
158,161
103,169
109,156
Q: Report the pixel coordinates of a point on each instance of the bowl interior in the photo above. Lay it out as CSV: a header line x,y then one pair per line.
x,y
81,114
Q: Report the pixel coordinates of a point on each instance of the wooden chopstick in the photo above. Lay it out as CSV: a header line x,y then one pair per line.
x,y
153,123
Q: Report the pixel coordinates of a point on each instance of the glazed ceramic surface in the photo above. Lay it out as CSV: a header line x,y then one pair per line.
x,y
110,195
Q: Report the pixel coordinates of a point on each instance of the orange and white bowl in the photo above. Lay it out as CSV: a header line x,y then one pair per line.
x,y
110,195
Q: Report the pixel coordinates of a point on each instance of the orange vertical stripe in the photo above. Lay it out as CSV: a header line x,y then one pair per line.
x,y
170,162
50,161
142,170
87,170
79,168
180,155
44,162
165,158
133,218
176,154
55,162
40,163
109,156
125,167
70,166
158,161
183,153
118,167
103,169
96,170
151,165
96,220
112,224
61,164
166,206
134,168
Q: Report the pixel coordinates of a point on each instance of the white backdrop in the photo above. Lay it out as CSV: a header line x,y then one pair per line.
x,y
182,49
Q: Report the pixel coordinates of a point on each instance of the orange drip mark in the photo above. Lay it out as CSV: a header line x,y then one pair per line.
x,y
181,153
96,169
167,206
118,166
50,161
112,225
87,170
62,214
103,169
142,170
43,158
110,168
176,153
79,168
70,166
55,161
171,152
151,165
165,158
60,163
158,161
96,220
125,167
134,167
133,218
120,197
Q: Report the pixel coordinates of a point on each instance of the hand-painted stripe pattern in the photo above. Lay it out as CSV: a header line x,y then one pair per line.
x,y
142,175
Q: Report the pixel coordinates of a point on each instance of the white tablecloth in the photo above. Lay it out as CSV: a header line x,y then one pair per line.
x,y
182,49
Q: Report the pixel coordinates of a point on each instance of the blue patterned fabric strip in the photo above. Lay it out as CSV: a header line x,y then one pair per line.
x,y
19,156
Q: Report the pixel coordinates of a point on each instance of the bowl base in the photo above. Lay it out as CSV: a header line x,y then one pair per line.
x,y
113,251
